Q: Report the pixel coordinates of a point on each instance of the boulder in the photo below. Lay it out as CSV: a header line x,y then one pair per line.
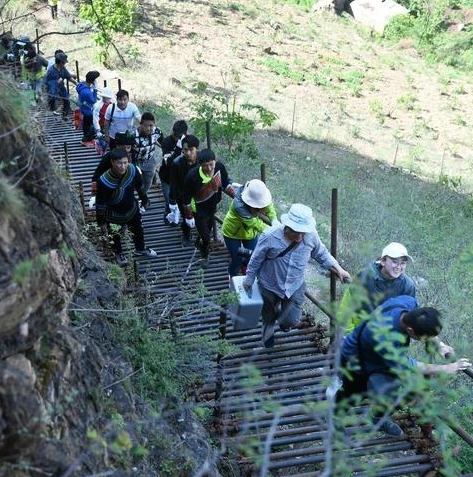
x,y
376,14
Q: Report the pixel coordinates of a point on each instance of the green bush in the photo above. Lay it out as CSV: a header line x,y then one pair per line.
x,y
401,26
170,365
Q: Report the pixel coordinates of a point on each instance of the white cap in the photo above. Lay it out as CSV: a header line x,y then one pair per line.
x,y
299,218
395,250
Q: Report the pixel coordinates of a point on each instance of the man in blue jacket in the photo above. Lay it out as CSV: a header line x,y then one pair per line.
x,y
375,356
87,91
54,81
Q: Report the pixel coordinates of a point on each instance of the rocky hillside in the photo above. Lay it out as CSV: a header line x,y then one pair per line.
x,y
64,409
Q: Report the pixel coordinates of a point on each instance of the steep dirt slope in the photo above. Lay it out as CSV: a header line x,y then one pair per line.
x,y
325,77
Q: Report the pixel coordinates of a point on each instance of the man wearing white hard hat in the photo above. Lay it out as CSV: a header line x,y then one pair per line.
x,y
279,261
100,107
249,214
383,279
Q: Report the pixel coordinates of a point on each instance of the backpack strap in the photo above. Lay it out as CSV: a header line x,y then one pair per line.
x,y
111,114
286,250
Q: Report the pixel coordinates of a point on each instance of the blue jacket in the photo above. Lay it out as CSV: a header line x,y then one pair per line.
x,y
53,86
87,98
379,344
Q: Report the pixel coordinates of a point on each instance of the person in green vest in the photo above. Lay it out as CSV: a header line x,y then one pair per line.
x,y
251,212
33,70
53,6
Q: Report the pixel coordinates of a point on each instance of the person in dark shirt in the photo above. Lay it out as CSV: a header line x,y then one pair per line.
x,y
148,139
116,203
203,187
54,81
375,356
179,169
124,141
171,148
382,279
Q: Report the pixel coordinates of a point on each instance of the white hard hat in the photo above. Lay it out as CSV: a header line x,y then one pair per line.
x,y
107,93
256,194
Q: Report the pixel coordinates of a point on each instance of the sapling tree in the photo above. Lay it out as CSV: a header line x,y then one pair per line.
x,y
109,17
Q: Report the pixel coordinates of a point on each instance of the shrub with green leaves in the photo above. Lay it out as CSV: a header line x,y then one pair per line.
x,y
170,365
109,17
232,124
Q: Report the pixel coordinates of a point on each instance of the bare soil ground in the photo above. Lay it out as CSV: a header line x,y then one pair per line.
x,y
326,78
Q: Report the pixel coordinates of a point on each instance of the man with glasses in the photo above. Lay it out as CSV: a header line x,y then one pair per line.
x,y
382,279
279,261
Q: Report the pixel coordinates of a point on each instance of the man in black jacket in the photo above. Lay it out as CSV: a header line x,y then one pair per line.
x,y
171,147
116,203
203,187
179,170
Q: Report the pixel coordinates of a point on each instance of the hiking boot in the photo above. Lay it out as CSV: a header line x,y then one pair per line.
x,y
57,113
286,329
121,259
147,252
268,335
204,262
389,427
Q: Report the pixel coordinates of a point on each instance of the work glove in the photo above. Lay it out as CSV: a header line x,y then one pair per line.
x,y
179,141
173,216
190,223
92,203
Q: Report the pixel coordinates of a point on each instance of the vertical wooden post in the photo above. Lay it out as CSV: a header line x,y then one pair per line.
x,y
37,41
104,83
66,158
207,134
119,84
77,71
81,197
293,117
333,251
262,168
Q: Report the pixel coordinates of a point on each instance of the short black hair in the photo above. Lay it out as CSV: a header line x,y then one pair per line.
x,y
206,155
424,321
180,127
117,153
122,93
126,138
191,141
147,117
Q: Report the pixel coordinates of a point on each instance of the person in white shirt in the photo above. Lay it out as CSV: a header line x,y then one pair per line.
x,y
98,113
120,117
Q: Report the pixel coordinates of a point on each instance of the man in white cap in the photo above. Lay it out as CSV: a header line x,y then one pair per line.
x,y
383,279
279,261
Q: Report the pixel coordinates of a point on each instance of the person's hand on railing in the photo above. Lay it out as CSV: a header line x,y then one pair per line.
x,y
461,364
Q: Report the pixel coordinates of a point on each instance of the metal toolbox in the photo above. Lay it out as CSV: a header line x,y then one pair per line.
x,y
246,313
